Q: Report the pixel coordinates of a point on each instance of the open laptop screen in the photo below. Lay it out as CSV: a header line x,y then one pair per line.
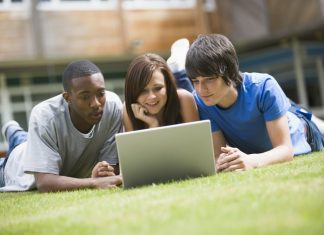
x,y
163,154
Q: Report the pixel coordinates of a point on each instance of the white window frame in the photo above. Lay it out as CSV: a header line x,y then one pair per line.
x,y
59,5
210,5
158,4
8,5
54,5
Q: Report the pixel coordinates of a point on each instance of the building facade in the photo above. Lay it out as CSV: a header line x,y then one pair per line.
x,y
39,37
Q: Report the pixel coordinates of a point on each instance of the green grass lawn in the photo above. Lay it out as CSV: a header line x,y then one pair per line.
x,y
280,199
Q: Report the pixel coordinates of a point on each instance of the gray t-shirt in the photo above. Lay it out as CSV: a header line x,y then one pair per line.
x,y
55,146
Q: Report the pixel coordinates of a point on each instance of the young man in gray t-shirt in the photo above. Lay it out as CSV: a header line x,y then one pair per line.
x,y
71,138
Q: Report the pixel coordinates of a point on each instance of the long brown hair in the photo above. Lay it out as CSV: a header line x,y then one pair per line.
x,y
138,77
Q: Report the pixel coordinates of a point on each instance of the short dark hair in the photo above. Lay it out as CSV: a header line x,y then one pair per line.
x,y
77,69
213,55
139,75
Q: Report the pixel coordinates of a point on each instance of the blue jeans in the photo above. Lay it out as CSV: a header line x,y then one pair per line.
x,y
183,81
15,135
314,136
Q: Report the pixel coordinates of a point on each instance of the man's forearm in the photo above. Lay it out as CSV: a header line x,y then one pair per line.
x,y
53,183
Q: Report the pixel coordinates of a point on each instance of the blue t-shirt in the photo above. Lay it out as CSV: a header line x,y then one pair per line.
x,y
260,99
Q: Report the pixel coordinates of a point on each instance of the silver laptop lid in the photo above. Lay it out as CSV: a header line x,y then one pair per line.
x,y
167,153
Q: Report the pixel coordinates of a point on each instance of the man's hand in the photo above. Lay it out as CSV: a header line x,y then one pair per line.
x,y
102,169
232,159
107,182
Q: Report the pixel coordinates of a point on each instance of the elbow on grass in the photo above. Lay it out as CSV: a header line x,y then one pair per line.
x,y
290,154
43,187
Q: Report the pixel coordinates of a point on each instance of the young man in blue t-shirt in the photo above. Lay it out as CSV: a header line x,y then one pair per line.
x,y
253,122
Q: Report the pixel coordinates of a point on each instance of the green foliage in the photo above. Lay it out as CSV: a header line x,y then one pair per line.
x,y
280,199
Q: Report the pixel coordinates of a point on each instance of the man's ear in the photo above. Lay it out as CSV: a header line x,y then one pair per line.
x,y
66,96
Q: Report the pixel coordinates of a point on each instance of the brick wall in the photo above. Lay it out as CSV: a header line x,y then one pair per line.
x,y
15,36
64,34
94,33
91,33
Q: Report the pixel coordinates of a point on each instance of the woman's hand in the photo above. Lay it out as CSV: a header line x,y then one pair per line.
x,y
142,114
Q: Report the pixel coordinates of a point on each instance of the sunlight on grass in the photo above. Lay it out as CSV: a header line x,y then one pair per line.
x,y
280,199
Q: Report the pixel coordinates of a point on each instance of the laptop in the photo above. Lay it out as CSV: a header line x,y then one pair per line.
x,y
164,154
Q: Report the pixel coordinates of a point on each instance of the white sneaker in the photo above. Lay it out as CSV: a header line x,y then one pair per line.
x,y
6,125
177,60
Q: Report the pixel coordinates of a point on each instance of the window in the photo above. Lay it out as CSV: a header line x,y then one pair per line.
x,y
53,5
210,5
113,4
8,5
158,4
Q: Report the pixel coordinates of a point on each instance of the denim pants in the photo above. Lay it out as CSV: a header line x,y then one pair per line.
x,y
15,136
183,81
314,137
